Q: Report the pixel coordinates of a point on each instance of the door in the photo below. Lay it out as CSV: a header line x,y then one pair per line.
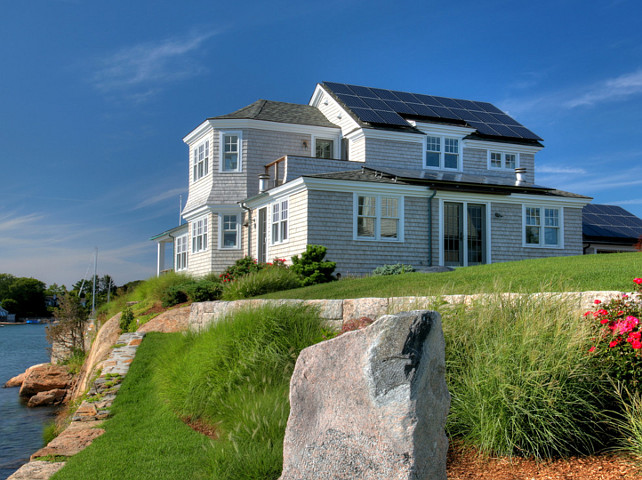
x,y
464,234
262,236
476,234
453,234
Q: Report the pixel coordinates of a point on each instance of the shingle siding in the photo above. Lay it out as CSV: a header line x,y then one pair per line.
x,y
387,153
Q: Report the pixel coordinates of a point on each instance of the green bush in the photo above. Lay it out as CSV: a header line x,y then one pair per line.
x,y
522,381
126,319
241,267
395,269
75,360
204,291
311,267
261,282
175,295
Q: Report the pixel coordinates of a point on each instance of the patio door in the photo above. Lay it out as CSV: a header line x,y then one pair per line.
x,y
262,236
464,238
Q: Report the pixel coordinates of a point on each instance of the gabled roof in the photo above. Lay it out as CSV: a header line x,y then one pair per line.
x,y
610,222
281,112
391,109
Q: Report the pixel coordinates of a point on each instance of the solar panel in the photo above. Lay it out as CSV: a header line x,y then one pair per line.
x,y
387,107
610,221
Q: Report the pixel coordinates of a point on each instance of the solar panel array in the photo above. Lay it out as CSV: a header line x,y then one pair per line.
x,y
388,107
610,221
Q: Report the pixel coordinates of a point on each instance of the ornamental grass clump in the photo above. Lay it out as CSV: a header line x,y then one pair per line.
x,y
520,379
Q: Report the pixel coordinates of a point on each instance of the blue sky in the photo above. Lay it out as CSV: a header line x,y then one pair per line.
x,y
95,98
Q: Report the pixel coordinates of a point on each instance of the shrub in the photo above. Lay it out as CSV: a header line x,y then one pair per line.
x,y
629,425
311,267
618,341
174,295
204,291
241,267
126,319
395,269
75,360
521,380
263,281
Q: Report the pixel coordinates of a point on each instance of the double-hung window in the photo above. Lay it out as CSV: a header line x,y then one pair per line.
x,y
231,152
280,222
542,226
200,160
378,217
181,253
324,148
442,152
199,235
229,227
501,160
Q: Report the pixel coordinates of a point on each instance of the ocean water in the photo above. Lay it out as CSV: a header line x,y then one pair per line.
x,y
21,346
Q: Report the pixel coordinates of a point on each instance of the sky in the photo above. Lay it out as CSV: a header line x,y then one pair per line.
x,y
96,97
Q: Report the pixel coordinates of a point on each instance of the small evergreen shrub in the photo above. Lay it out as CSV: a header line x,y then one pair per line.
x,y
126,319
261,282
312,267
395,269
204,291
174,295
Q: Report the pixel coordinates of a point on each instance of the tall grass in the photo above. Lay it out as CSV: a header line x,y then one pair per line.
x,y
273,279
521,380
629,423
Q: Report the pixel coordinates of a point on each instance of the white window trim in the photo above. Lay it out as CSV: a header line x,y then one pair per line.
x,y
465,203
185,240
205,233
221,216
377,237
206,161
221,151
541,244
503,153
336,145
442,146
271,223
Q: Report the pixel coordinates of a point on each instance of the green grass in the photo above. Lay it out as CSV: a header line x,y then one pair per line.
x,y
234,376
580,273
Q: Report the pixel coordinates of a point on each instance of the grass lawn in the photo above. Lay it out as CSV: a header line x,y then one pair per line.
x,y
579,273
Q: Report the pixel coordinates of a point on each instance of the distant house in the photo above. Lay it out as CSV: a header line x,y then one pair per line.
x,y
377,176
5,316
609,229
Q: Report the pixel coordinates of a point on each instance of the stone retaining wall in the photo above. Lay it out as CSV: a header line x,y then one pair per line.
x,y
336,312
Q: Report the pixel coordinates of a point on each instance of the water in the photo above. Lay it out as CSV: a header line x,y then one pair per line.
x,y
21,346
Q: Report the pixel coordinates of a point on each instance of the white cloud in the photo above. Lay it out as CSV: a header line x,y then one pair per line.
x,y
167,194
611,89
556,170
633,201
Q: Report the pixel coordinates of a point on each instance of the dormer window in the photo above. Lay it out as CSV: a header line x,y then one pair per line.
x,y
324,148
502,160
231,152
200,160
442,152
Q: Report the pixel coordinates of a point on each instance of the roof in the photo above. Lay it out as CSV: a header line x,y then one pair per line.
x,y
610,222
391,109
167,234
281,112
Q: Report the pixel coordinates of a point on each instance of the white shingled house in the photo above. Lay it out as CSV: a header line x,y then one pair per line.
x,y
377,176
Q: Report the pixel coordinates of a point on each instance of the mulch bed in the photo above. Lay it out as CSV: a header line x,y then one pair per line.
x,y
467,464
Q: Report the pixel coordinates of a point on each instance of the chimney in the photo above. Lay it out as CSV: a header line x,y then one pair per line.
x,y
264,179
520,174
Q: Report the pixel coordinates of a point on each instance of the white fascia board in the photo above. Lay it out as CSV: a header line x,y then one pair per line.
x,y
285,190
515,198
315,100
501,146
450,196
205,209
329,185
198,133
440,129
549,200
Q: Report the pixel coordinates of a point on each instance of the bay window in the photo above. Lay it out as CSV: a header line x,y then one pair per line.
x,y
229,231
199,235
181,253
200,160
230,143
280,222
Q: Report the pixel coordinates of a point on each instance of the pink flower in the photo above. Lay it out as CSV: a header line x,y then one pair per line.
x,y
604,321
636,344
602,312
588,313
592,349
613,343
597,302
638,281
624,295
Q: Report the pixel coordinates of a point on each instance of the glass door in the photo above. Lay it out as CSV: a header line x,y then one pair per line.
x,y
464,234
453,234
476,235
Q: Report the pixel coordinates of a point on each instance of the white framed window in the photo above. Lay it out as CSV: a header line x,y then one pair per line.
x,y
280,221
324,148
181,253
229,228
378,217
230,160
502,160
543,226
200,160
443,152
199,235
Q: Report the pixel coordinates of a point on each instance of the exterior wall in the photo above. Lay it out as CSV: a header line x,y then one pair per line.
x,y
331,220
298,166
200,189
334,113
297,229
393,154
506,234
200,263
527,161
357,150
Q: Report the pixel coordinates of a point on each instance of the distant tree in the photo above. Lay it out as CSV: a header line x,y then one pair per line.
x,y
29,294
68,330
56,290
10,305
6,280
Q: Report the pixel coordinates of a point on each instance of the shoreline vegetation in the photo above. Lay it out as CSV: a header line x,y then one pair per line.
x,y
522,383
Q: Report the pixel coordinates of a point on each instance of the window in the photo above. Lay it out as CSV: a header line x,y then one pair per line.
x,y
542,227
181,253
501,160
378,217
231,152
229,227
324,148
200,160
280,222
199,235
442,152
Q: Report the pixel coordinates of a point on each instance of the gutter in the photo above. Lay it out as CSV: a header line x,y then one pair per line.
x,y
249,227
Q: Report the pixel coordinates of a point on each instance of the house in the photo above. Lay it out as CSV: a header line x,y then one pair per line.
x,y
609,229
5,316
377,176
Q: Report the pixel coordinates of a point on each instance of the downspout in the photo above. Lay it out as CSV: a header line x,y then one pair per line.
x,y
434,192
249,227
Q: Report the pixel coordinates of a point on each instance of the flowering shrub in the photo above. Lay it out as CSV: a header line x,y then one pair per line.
x,y
246,265
618,339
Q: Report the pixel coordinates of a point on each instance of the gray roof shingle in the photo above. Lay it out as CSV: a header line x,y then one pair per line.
x,y
281,112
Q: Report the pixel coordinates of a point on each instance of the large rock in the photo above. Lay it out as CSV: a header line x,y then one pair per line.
x,y
72,440
37,471
18,379
50,397
371,404
174,320
45,377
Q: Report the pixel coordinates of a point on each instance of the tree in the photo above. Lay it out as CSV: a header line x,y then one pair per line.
x,y
29,294
6,280
69,328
